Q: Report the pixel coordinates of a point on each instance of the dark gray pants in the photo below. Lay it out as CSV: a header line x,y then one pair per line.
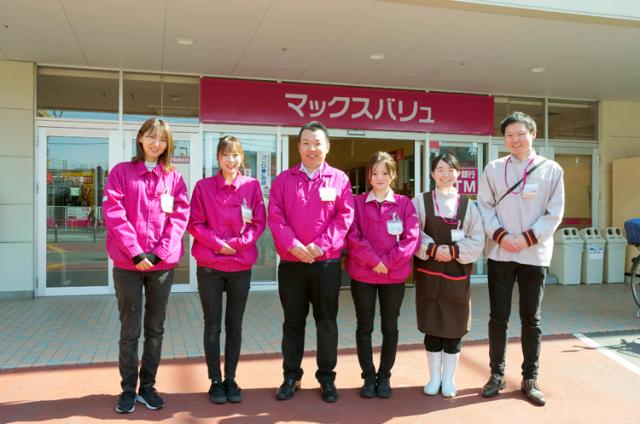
x,y
502,277
211,284
129,287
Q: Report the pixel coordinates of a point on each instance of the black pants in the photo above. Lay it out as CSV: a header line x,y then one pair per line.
x,y
301,284
364,300
502,277
129,285
211,284
438,344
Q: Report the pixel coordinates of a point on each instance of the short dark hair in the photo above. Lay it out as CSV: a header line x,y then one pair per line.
x,y
448,158
518,117
313,126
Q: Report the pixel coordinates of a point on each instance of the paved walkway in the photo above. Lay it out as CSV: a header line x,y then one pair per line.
x,y
84,329
581,386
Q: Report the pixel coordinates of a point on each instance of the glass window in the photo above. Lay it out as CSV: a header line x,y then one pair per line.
x,y
504,106
173,97
573,120
77,94
76,172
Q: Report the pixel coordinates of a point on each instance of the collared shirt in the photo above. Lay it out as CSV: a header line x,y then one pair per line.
x,y
135,220
310,174
389,197
471,247
299,215
536,217
370,243
216,220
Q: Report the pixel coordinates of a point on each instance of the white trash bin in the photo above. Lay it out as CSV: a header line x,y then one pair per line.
x,y
614,255
567,255
592,256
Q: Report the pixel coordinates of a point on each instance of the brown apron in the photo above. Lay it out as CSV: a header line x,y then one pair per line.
x,y
443,292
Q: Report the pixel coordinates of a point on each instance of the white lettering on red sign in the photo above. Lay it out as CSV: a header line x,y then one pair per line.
x,y
358,107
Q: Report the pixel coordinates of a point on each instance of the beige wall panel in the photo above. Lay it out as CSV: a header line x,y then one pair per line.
x,y
17,178
16,225
619,138
17,85
17,264
17,136
625,199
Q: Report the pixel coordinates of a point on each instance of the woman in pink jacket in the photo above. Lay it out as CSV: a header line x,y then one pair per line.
x,y
382,240
146,210
227,218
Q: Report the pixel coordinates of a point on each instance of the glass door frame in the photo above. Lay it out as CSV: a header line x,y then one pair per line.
x,y
282,153
103,131
194,135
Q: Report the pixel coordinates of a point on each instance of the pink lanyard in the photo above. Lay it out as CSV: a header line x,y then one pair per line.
x,y
450,221
524,175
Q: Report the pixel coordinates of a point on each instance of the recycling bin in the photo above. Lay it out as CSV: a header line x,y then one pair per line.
x,y
567,255
614,255
592,256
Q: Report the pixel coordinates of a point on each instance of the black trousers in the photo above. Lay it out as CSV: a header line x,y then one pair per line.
x,y
129,287
438,344
502,277
299,285
364,299
211,284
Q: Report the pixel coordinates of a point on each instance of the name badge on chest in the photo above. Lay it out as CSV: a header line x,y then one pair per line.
x,y
457,235
530,191
394,226
166,203
327,194
247,213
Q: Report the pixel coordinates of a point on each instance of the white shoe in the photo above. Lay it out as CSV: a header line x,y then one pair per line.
x,y
449,365
435,371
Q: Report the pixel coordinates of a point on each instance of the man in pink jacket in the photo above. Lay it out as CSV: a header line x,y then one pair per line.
x,y
310,212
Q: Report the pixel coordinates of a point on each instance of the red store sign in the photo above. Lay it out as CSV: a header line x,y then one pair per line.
x,y
236,101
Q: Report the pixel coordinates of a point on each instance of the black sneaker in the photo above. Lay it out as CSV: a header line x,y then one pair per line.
x,y
383,388
126,403
232,390
148,396
217,393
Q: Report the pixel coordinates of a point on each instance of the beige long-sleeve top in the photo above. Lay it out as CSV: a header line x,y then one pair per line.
x,y
470,248
536,218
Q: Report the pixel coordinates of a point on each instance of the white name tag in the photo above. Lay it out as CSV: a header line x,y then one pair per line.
x,y
327,194
395,227
166,203
457,235
530,190
247,213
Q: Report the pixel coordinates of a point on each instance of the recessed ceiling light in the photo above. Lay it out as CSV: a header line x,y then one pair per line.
x,y
176,98
538,69
377,56
184,41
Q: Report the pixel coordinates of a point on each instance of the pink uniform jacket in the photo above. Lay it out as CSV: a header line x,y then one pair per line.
x,y
216,218
297,214
135,220
369,242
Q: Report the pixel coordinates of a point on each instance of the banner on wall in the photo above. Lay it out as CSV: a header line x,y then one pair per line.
x,y
468,181
264,171
236,101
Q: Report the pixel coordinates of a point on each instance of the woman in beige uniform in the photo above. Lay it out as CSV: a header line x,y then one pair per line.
x,y
452,239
